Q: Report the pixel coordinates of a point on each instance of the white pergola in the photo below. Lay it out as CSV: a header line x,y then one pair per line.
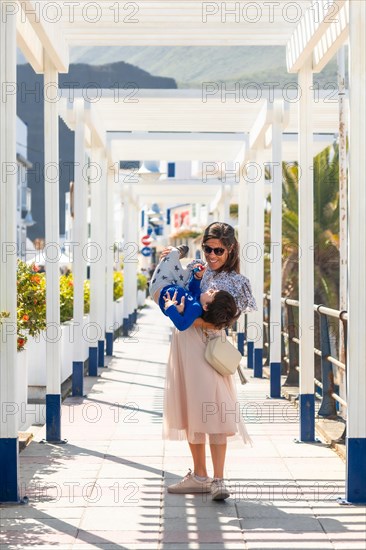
x,y
186,125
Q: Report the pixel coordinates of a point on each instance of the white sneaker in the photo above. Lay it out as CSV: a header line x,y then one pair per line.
x,y
219,491
189,484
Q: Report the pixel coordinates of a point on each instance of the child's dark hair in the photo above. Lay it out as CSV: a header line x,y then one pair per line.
x,y
222,311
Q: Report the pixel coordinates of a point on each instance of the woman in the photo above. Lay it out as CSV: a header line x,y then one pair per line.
x,y
199,402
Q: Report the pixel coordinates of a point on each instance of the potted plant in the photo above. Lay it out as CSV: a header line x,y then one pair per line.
x,y
141,289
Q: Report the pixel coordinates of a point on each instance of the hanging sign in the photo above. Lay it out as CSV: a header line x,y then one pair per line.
x,y
146,240
146,251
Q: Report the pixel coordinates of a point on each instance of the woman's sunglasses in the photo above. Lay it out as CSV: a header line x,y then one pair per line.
x,y
217,251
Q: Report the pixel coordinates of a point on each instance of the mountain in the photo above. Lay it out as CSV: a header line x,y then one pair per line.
x,y
30,110
183,67
190,66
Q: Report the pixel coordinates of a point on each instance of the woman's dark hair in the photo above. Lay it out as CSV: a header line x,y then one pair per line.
x,y
226,234
222,311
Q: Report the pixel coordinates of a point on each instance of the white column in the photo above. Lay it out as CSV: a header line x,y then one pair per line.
x,y
130,261
224,205
8,300
102,265
97,259
343,218
276,252
52,252
306,254
79,242
110,261
134,257
127,265
242,238
356,354
258,272
250,251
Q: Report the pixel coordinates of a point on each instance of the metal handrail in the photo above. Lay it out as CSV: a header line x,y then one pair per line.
x,y
291,341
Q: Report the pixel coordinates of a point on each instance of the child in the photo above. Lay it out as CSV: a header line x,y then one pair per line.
x,y
177,292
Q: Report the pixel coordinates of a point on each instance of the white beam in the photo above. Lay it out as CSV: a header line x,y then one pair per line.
x,y
49,31
214,204
309,31
95,123
29,43
258,130
332,40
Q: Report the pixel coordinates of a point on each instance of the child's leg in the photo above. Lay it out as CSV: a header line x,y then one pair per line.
x,y
169,271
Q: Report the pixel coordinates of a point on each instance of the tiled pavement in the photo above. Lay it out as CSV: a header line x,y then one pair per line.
x,y
106,488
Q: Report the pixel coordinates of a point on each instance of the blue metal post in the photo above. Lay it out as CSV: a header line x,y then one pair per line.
x,y
53,418
109,343
93,361
9,465
100,353
125,326
356,470
258,362
307,417
275,380
250,348
241,340
77,378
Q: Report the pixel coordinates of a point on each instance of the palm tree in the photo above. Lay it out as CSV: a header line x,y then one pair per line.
x,y
326,228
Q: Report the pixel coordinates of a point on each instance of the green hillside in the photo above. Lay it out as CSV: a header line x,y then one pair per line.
x,y
190,66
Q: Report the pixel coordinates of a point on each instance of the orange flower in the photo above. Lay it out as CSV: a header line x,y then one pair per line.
x,y
35,279
25,317
71,283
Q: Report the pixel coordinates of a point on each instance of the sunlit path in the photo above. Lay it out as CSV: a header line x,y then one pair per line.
x,y
106,488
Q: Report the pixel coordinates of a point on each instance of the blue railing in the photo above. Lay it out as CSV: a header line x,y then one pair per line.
x,y
330,327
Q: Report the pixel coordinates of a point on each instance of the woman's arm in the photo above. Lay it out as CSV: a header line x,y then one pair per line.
x,y
200,323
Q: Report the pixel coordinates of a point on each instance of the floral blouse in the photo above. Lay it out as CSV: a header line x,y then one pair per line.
x,y
236,284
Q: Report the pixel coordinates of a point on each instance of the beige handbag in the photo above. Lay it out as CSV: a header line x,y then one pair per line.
x,y
222,356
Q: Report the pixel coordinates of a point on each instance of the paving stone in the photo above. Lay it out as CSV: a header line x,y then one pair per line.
x,y
106,488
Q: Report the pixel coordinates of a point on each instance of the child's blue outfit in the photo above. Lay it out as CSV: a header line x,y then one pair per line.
x,y
166,278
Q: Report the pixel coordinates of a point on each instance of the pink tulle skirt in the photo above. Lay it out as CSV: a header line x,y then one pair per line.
x,y
199,403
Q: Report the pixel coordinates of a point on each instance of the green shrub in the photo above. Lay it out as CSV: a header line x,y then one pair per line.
x,y
141,282
117,285
31,302
67,297
87,296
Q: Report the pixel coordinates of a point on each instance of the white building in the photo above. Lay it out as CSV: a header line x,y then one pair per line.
x,y
25,247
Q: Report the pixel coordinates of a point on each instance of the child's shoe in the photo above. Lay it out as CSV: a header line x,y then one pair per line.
x,y
183,250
